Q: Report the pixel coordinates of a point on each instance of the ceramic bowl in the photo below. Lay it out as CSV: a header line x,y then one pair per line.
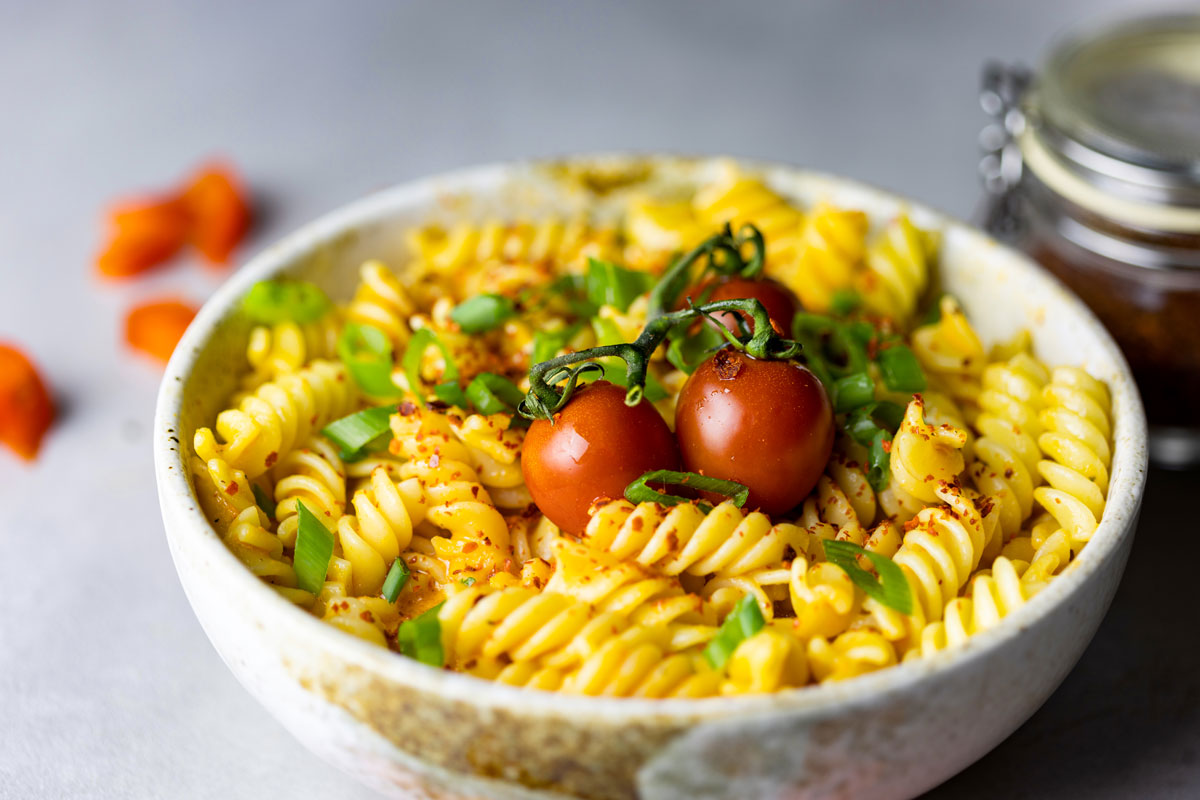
x,y
417,732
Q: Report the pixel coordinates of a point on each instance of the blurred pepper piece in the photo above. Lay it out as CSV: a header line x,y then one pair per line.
x,y
144,234
211,212
219,212
26,410
155,328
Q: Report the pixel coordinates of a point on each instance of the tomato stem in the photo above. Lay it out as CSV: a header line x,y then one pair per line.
x,y
722,253
544,400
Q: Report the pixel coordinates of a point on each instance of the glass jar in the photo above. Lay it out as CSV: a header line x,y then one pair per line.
x,y
1093,168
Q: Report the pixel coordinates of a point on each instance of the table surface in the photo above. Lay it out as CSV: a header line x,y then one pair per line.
x,y
108,686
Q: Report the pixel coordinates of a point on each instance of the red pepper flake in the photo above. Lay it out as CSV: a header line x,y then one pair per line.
x,y
232,488
887,446
271,458
407,408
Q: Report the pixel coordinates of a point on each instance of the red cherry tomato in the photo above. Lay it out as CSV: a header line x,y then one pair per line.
x,y
766,424
595,447
780,302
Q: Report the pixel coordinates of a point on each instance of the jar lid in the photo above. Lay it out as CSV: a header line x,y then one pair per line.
x,y
1118,110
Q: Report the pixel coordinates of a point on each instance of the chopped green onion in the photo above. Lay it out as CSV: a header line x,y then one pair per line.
x,y
314,548
468,581
546,344
367,353
890,414
262,501
890,588
900,369
493,394
421,638
356,432
421,341
396,578
450,393
613,285
272,302
852,391
845,301
744,621
483,312
689,351
639,492
879,461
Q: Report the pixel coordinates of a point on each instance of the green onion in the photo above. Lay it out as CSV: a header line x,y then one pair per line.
x,y
613,285
900,369
845,302
890,414
468,581
890,588
367,353
639,492
689,351
450,393
492,394
483,312
272,302
546,344
933,314
314,548
421,341
421,638
396,578
879,461
852,392
357,432
262,501
744,621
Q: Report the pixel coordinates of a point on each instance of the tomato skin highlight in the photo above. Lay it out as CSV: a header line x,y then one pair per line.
x,y
595,447
766,424
780,302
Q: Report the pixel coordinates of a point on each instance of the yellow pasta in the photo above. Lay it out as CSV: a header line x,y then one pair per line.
x,y
973,494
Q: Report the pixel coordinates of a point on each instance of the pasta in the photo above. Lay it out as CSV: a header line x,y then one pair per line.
x,y
392,484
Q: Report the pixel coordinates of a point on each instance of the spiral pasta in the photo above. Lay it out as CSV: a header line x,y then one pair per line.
x,y
267,423
980,494
287,346
1077,452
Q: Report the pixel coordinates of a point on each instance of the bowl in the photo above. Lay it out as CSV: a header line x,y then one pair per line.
x,y
417,732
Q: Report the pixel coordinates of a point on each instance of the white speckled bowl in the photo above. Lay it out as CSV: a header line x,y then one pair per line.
x,y
414,731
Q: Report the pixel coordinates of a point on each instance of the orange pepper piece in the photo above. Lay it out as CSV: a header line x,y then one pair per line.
x,y
145,234
219,211
156,327
26,410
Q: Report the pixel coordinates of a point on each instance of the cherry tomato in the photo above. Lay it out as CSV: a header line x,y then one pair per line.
x,y
766,424
780,302
595,447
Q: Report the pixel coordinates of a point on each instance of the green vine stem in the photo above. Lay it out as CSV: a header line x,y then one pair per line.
x,y
722,253
544,400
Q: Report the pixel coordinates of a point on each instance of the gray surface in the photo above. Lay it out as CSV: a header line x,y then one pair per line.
x,y
108,687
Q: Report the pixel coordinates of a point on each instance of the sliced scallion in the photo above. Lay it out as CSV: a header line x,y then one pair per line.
x,y
367,353
689,351
900,369
358,432
845,302
890,588
421,638
546,344
852,391
396,578
613,285
493,394
745,620
272,302
263,501
483,312
314,548
421,341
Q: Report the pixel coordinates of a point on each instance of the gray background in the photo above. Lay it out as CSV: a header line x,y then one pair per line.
x,y
108,687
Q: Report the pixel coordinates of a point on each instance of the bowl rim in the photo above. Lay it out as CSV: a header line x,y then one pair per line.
x,y
187,520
